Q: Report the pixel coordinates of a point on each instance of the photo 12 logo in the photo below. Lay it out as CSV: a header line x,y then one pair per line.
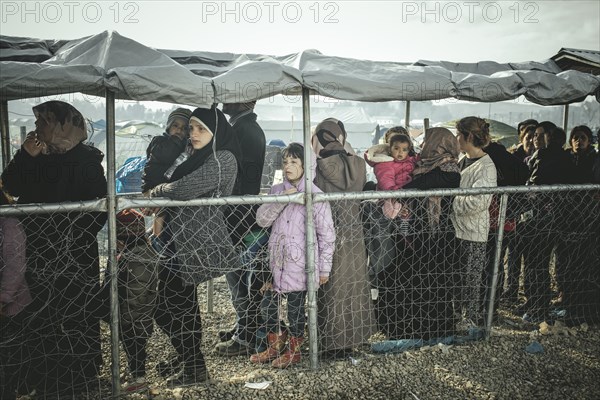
x,y
69,11
253,12
469,11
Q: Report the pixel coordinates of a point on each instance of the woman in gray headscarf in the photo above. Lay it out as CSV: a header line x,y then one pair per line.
x,y
346,316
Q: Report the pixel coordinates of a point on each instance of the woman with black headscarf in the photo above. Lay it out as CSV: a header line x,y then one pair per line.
x,y
63,268
346,316
199,238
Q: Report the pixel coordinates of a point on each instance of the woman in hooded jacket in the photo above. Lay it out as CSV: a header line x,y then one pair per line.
x,y
346,314
63,267
200,239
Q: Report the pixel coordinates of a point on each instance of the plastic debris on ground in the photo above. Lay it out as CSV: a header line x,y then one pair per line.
x,y
534,348
257,385
398,346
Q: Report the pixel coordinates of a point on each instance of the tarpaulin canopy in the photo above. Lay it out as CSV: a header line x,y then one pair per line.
x,y
134,71
92,64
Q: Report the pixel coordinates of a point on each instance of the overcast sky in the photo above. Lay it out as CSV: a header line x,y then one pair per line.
x,y
465,31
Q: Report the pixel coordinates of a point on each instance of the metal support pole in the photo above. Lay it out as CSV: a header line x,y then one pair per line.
x,y
310,239
6,153
565,117
111,199
425,125
210,296
407,116
497,257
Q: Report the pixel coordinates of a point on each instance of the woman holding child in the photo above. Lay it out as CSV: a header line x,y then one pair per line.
x,y
427,306
200,237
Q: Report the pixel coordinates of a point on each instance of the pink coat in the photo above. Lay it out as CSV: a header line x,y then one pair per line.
x,y
391,174
14,292
287,243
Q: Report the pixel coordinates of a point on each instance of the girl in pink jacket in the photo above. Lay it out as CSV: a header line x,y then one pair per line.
x,y
393,165
287,249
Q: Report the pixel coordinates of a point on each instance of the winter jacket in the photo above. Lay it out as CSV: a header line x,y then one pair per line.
x,y
252,142
14,291
583,165
519,153
138,281
550,166
201,237
391,174
161,153
287,243
470,215
62,248
511,171
241,219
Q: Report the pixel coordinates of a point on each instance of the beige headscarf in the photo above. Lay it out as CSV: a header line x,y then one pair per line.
x,y
65,126
440,150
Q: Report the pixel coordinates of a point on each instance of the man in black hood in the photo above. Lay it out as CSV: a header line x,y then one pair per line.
x,y
242,221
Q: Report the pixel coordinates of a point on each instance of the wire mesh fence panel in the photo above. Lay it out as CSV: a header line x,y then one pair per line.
x,y
399,271
51,340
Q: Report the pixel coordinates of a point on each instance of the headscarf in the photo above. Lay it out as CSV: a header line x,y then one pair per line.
x,y
331,135
223,139
65,126
440,150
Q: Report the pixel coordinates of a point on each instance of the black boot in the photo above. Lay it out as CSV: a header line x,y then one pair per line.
x,y
168,368
189,376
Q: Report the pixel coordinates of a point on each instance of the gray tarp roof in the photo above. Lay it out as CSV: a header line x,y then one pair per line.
x,y
34,68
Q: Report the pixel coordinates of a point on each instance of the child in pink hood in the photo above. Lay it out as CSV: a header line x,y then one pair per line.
x,y
287,251
393,165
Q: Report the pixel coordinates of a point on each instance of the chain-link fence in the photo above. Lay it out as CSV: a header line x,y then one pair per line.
x,y
399,275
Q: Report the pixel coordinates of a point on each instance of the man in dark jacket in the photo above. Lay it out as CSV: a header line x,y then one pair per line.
x,y
549,165
511,172
242,221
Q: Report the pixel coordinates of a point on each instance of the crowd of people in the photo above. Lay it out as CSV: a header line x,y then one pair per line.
x,y
410,268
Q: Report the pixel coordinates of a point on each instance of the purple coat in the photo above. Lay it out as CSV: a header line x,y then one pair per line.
x,y
287,243
14,292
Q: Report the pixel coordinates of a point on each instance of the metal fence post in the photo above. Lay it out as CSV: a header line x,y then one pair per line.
x,y
210,296
112,241
4,126
310,239
497,259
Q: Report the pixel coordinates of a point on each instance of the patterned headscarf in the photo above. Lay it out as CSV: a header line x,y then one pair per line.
x,y
440,150
331,135
65,126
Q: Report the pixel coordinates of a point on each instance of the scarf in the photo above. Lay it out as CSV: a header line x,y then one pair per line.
x,y
64,126
440,150
223,139
331,136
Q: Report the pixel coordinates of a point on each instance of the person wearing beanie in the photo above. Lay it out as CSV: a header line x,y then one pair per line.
x,y
163,155
164,150
241,339
138,290
200,244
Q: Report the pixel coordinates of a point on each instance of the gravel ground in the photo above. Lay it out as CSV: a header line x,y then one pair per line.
x,y
500,368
